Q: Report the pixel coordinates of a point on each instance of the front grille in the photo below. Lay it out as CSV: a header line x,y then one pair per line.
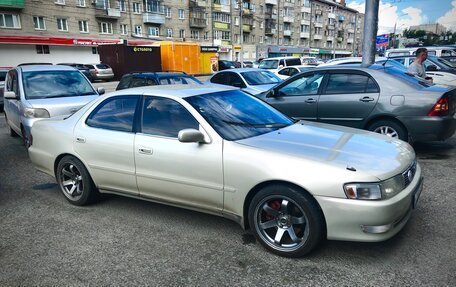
x,y
409,174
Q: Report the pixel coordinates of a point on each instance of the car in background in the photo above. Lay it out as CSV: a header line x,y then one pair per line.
x,y
312,61
42,91
225,65
220,151
3,72
251,80
100,72
140,79
275,64
248,64
353,61
81,67
287,72
445,52
381,99
440,70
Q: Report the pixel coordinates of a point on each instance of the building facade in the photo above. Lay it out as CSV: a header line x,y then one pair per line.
x,y
436,28
70,30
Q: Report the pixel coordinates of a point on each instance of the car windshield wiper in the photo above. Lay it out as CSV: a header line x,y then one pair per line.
x,y
60,96
263,125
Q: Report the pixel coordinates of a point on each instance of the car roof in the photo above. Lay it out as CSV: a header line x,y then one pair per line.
x,y
180,91
35,68
280,58
241,70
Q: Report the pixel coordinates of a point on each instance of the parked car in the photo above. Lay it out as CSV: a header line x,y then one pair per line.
x,y
251,80
275,64
445,52
248,64
3,72
81,67
100,72
221,151
36,92
358,61
140,79
225,65
287,72
312,61
382,99
441,71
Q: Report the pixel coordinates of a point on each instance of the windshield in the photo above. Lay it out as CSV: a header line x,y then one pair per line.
x,y
391,63
408,78
236,115
269,64
260,78
56,84
445,63
103,66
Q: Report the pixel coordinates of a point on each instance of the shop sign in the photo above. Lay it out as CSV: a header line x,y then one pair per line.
x,y
212,49
314,51
143,49
237,47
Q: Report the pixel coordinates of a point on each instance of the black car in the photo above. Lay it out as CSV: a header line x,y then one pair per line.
x,y
81,67
140,79
225,65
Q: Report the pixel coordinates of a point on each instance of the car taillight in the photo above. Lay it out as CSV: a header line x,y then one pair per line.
x,y
440,108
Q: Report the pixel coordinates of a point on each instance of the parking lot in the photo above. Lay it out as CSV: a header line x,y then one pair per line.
x,y
120,241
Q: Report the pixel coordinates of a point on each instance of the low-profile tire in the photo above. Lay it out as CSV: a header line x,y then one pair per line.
x,y
286,220
75,182
389,128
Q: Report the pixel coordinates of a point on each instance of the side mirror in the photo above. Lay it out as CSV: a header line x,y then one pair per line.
x,y
10,95
271,94
190,136
101,91
431,68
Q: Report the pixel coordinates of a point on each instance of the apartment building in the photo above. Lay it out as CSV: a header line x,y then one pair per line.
x,y
71,30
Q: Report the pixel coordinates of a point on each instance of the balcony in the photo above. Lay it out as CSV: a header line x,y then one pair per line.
x,y
288,19
222,26
221,8
247,28
271,2
288,4
270,31
287,33
154,18
305,10
318,24
198,23
12,4
350,40
330,26
351,31
305,35
318,12
305,22
331,15
341,18
317,36
270,15
110,13
196,4
330,38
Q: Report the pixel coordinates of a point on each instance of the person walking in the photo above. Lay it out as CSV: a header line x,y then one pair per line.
x,y
417,67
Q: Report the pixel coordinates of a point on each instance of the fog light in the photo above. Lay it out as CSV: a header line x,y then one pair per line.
x,y
376,228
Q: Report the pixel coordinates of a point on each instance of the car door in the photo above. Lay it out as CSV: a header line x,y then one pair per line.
x,y
169,170
347,98
298,98
219,78
13,107
233,79
105,140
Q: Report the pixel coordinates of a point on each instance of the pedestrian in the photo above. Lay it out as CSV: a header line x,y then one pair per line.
x,y
417,67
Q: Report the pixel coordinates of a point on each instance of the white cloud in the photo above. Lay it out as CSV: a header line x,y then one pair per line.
x,y
390,15
449,19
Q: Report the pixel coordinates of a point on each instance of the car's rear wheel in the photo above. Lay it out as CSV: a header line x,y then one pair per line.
x,y
286,220
75,181
389,128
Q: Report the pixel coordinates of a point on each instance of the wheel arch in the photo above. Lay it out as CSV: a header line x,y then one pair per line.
x,y
387,118
261,185
60,156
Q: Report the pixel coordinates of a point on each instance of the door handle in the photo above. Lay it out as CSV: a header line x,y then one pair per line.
x,y
80,140
144,150
367,99
310,101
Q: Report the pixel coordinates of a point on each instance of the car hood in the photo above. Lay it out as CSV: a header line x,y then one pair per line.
x,y
61,106
367,152
258,89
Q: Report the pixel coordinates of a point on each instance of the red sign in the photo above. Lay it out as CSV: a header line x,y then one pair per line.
x,y
44,40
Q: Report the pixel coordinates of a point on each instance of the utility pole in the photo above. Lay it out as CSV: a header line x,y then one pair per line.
x,y
241,34
370,32
278,22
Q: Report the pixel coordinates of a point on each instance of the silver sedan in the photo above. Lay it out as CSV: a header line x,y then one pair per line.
x,y
223,152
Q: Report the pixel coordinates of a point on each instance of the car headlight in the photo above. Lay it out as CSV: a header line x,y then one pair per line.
x,y
392,186
382,190
36,113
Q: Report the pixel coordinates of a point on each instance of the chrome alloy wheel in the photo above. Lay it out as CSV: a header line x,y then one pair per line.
x,y
387,131
71,181
281,223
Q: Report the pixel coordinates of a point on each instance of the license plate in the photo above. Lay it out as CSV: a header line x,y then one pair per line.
x,y
417,193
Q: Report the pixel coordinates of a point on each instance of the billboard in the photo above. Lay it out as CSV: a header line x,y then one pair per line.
x,y
382,40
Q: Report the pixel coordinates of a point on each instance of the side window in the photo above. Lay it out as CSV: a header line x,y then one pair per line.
x,y
372,86
116,113
293,72
306,85
411,60
428,63
219,79
349,84
124,82
166,117
282,63
13,83
402,61
236,81
137,82
284,72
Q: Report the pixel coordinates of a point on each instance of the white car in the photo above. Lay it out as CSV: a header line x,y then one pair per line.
x,y
275,64
287,72
223,152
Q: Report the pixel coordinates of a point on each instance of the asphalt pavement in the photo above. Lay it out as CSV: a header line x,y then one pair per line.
x,y
119,241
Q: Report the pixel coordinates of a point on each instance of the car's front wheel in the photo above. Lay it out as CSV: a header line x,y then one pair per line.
x,y
75,181
286,220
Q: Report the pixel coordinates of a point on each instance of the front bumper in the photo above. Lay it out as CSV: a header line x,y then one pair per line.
x,y
369,220
430,128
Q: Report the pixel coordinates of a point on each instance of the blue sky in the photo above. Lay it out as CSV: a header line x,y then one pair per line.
x,y
405,13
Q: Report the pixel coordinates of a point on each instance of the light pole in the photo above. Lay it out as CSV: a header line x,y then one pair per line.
x,y
241,34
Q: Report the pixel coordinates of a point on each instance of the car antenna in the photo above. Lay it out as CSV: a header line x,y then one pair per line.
x,y
384,63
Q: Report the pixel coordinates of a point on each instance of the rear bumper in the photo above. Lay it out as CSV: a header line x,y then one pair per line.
x,y
103,76
430,128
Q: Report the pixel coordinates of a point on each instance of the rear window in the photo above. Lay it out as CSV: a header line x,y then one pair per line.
x,y
260,78
103,66
2,76
293,62
269,64
408,78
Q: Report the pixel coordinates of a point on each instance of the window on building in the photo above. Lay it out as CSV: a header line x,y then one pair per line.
x,y
206,35
83,26
39,23
154,32
194,34
80,3
261,24
221,17
60,2
136,8
94,50
124,29
138,30
42,49
121,5
182,33
236,21
9,21
169,32
62,24
181,14
168,12
105,28
261,39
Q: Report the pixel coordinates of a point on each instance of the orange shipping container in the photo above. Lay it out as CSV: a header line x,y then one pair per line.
x,y
180,56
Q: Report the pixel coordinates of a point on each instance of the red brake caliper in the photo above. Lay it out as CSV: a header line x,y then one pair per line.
x,y
274,205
